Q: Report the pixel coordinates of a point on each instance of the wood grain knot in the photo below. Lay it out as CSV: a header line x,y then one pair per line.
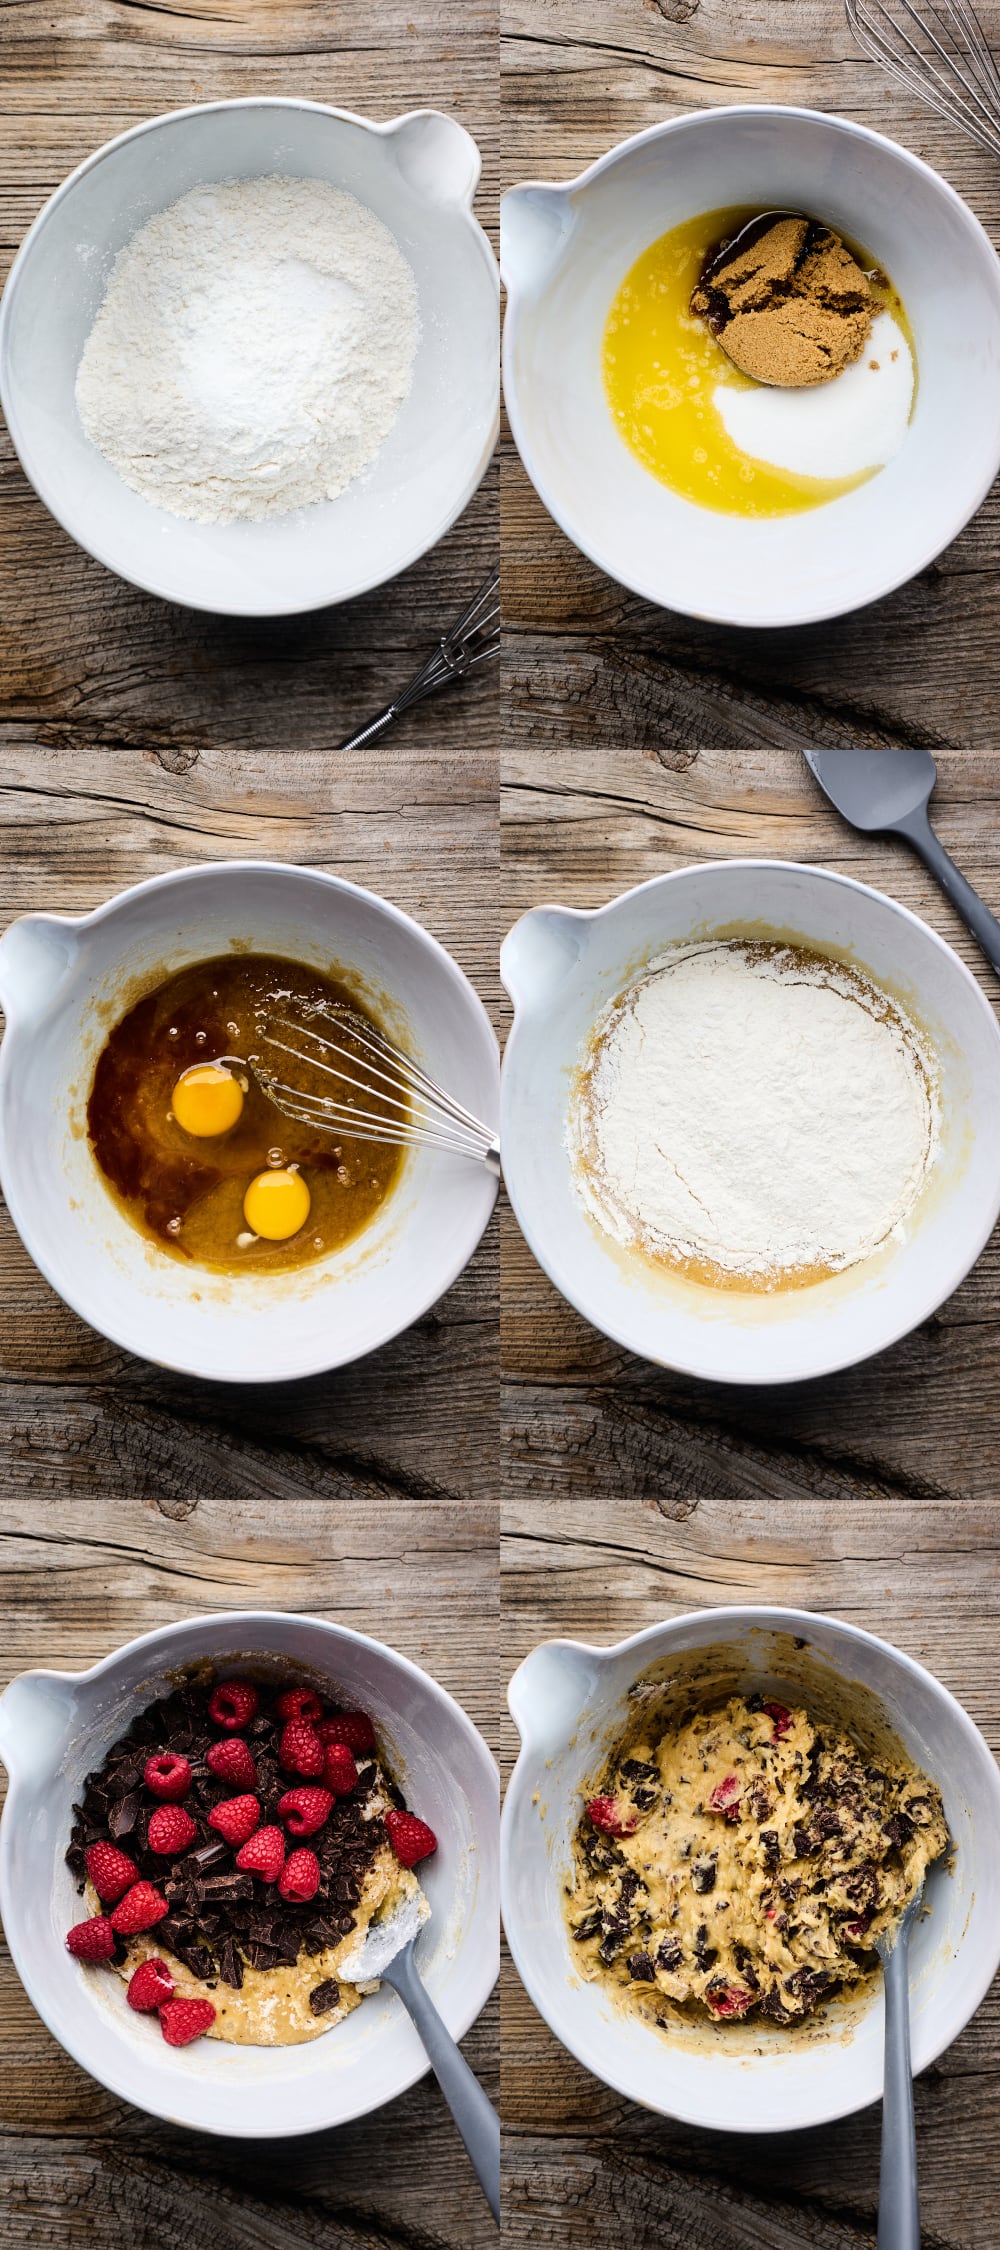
x,y
171,1504
677,11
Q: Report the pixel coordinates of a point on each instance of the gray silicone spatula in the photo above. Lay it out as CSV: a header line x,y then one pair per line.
x,y
898,2199
886,793
385,1956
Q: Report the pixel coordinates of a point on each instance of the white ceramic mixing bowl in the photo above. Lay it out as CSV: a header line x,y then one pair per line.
x,y
55,1726
566,249
561,967
569,1702
418,173
65,982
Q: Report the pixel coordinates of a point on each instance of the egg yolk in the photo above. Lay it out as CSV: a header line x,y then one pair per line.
x,y
206,1100
276,1205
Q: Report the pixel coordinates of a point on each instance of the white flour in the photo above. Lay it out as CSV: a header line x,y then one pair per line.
x,y
253,349
755,1111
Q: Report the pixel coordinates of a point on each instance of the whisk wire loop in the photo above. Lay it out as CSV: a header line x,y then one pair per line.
x,y
471,640
938,51
412,1110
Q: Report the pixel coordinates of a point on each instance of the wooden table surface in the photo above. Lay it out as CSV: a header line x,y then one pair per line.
x,y
637,742
134,738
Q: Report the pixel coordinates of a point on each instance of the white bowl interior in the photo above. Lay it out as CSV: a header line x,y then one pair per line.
x,y
417,176
65,984
564,254
54,1727
570,1704
561,967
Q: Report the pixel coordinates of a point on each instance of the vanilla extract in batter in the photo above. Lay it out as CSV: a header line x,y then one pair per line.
x,y
754,1114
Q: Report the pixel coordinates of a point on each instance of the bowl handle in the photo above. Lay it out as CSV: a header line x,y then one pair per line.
x,y
436,157
34,1711
35,954
550,1691
535,222
538,953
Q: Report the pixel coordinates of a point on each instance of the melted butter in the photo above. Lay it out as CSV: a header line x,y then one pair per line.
x,y
661,366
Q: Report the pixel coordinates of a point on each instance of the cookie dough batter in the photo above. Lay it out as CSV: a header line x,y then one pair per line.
x,y
786,300
745,1861
281,2007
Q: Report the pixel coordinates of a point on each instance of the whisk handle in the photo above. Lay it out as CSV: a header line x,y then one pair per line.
x,y
491,1159
375,727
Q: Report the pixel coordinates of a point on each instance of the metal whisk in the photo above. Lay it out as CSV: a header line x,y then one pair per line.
x,y
473,638
411,1112
938,51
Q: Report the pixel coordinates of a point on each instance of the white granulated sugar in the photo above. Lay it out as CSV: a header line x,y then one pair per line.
x,y
837,429
755,1110
253,349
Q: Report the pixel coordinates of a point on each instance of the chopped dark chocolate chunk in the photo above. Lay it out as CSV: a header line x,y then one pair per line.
x,y
123,1816
641,1968
588,1926
324,1996
670,1954
898,1830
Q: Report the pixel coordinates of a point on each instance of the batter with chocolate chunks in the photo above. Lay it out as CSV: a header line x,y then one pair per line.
x,y
787,301
744,1862
193,1790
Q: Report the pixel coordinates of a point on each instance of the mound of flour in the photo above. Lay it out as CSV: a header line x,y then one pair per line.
x,y
252,351
755,1110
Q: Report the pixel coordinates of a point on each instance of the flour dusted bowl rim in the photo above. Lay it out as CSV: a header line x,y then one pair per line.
x,y
561,965
566,247
419,172
64,980
568,1701
55,1725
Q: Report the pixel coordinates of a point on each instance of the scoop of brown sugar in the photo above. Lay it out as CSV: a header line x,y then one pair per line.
x,y
787,301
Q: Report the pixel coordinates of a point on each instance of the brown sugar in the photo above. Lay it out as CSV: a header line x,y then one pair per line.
x,y
786,299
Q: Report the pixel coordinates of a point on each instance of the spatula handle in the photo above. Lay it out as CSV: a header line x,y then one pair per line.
x,y
975,914
471,2109
898,2201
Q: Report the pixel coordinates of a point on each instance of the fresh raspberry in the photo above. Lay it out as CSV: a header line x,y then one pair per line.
x,y
93,1940
151,1985
781,1719
139,1909
168,1776
184,2020
110,1871
299,1878
353,1727
411,1839
729,1999
304,1810
236,1818
171,1830
609,1816
299,1703
725,1797
300,1749
232,1704
340,1772
231,1761
264,1855
856,1933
